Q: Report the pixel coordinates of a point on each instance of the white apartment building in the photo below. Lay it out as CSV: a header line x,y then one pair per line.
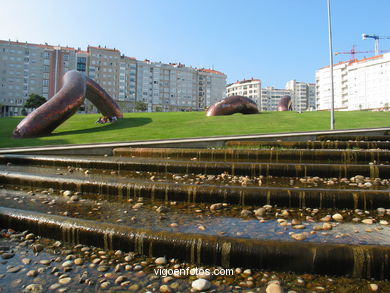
x,y
250,88
358,84
302,95
33,68
270,98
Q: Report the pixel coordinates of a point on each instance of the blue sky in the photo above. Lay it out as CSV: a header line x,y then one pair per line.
x,y
274,41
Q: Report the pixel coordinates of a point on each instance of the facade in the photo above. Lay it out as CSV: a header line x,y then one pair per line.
x,y
249,88
302,95
34,68
270,98
358,85
30,68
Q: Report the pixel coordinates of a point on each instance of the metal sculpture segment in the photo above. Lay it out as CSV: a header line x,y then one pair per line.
x,y
232,105
76,87
285,104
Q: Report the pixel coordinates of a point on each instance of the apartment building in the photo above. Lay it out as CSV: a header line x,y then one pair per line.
x,y
30,68
270,98
302,95
250,88
358,85
34,68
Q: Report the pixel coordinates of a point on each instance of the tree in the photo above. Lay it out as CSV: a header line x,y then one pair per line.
x,y
34,101
141,106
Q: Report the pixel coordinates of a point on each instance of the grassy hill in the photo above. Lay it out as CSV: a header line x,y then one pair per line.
x,y
82,128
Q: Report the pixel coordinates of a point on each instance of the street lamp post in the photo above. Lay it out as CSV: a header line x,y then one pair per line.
x,y
332,120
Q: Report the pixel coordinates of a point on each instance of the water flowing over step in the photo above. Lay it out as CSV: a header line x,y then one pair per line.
x,y
367,261
203,219
377,138
311,144
275,155
281,196
253,204
206,167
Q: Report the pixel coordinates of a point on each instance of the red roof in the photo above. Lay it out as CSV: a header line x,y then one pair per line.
x,y
211,71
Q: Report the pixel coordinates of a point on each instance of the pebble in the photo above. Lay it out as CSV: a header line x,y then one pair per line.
x,y
64,281
274,287
138,205
37,247
7,255
120,280
32,273
162,209
260,212
381,212
298,236
337,217
327,218
67,263
384,222
104,284
368,221
165,289
216,206
327,226
45,262
160,260
55,286
79,261
374,287
75,198
299,227
67,193
14,269
29,236
26,261
36,288
102,268
201,285
246,213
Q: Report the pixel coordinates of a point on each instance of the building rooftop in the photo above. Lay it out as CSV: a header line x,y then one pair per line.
x,y
101,48
245,81
45,46
211,71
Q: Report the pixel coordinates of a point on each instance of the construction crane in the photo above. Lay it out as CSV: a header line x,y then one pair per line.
x,y
352,52
376,38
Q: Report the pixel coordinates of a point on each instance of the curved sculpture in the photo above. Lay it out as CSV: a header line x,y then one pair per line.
x,y
232,105
285,104
76,87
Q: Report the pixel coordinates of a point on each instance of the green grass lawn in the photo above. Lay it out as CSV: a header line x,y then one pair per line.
x,y
81,128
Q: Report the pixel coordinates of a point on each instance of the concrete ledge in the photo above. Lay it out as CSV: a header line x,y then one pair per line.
x,y
200,142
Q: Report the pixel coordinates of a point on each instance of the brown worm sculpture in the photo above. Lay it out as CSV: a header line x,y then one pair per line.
x,y
76,87
232,105
285,104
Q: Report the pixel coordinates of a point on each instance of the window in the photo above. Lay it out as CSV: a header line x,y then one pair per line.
x,y
66,57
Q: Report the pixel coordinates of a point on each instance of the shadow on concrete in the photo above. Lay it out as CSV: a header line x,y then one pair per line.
x,y
123,123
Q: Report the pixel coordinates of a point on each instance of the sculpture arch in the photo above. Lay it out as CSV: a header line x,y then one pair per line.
x,y
76,87
285,104
232,105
